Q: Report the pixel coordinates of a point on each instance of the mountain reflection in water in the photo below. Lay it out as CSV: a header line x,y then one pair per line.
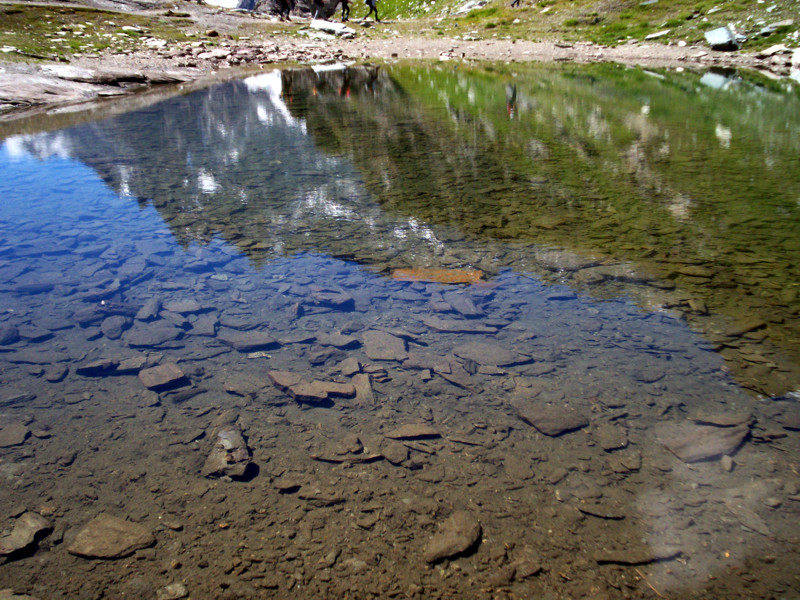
x,y
615,181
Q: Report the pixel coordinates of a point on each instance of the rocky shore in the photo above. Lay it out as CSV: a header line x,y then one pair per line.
x,y
38,87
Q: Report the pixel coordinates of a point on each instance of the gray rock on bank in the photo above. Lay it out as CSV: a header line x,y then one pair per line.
x,y
722,38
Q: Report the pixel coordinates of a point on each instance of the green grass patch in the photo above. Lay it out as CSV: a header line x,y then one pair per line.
x,y
53,32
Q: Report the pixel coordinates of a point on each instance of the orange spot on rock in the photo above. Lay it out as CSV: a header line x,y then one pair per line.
x,y
438,275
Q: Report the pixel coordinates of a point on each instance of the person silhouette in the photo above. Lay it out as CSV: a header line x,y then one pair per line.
x,y
372,8
345,10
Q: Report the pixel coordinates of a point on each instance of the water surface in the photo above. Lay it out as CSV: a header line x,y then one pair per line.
x,y
626,243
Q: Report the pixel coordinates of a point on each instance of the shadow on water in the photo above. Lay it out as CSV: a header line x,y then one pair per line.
x,y
437,326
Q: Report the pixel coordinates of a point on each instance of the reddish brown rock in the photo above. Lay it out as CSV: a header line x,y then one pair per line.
x,y
162,376
283,380
364,395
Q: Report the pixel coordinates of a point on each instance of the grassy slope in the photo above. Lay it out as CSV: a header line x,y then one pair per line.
x,y
605,21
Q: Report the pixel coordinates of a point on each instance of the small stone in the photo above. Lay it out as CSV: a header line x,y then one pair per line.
x,y
230,455
56,373
350,367
150,310
610,437
456,535
107,536
727,464
174,591
113,326
162,376
8,334
721,39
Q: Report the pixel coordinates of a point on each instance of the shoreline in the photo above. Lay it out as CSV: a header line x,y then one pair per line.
x,y
28,88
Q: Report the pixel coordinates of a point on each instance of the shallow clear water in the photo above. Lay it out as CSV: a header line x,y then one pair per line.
x,y
553,270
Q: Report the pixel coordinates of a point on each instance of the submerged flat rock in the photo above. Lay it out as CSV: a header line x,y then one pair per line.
x,y
485,353
412,431
107,536
24,532
162,376
553,420
380,345
247,341
457,326
13,434
693,443
456,535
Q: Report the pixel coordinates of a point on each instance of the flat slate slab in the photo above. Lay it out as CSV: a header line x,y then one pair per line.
x,y
413,431
457,326
161,376
379,345
694,443
553,420
247,341
488,354
13,434
107,536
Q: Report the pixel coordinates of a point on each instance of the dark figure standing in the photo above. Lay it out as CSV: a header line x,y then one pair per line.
x,y
285,8
345,10
373,8
514,3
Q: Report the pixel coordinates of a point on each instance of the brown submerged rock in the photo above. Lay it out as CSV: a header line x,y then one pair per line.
x,y
230,455
25,530
13,433
107,536
553,420
456,535
412,431
162,376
